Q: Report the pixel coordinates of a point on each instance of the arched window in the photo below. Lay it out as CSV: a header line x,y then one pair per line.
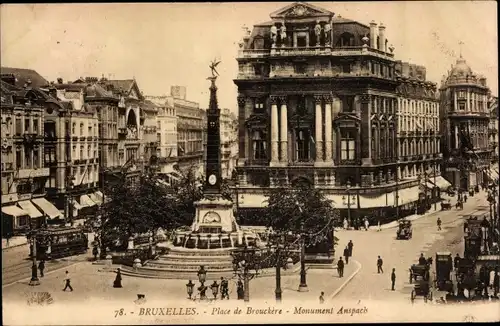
x,y
346,39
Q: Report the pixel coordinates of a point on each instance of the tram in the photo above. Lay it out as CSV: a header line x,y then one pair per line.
x,y
59,242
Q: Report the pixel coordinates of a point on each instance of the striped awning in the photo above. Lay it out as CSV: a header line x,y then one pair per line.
x,y
369,202
407,195
441,183
13,210
99,194
85,201
47,208
76,205
28,206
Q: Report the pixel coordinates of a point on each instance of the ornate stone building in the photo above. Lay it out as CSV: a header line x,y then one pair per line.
x,y
418,135
22,167
493,129
313,88
229,142
464,111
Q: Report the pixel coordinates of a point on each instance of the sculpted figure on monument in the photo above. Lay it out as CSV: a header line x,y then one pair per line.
x,y
327,32
317,31
274,34
283,35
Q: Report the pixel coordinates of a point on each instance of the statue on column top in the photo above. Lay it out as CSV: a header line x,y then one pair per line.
x,y
283,34
327,30
317,31
274,34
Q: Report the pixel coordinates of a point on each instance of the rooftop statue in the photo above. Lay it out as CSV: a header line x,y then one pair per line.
x,y
212,66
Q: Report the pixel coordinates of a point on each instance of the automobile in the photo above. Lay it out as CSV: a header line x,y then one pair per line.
x,y
405,230
444,267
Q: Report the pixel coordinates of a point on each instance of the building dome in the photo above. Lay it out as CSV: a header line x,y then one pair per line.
x,y
461,69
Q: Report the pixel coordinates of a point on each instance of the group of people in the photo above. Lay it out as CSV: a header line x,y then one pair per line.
x,y
347,254
356,224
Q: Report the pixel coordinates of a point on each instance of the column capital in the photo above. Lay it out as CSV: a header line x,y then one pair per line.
x,y
318,98
274,99
241,100
282,99
364,98
328,98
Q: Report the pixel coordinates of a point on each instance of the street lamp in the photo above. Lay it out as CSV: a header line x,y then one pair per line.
x,y
215,289
348,187
202,276
34,275
189,288
276,246
303,282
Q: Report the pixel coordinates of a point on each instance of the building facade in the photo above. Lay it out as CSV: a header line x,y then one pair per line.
x,y
493,129
464,111
166,133
310,85
23,172
189,131
418,136
229,142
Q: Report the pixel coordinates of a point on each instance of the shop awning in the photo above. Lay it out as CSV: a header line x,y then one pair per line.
x,y
342,202
47,208
76,205
493,174
372,201
85,201
407,195
28,206
100,195
13,210
95,199
441,183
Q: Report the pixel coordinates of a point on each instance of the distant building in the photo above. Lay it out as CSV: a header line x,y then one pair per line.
x,y
189,131
493,128
166,133
464,110
418,136
229,142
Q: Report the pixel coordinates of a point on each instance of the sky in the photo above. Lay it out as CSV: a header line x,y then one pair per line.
x,y
172,44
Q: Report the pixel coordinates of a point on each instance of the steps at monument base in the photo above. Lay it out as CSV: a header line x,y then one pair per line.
x,y
144,272
183,252
188,267
194,259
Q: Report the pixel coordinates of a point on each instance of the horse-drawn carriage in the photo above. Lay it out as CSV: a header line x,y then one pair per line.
x,y
422,288
405,230
446,205
420,275
444,267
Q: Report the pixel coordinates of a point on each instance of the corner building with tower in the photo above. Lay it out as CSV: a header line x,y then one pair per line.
x,y
318,102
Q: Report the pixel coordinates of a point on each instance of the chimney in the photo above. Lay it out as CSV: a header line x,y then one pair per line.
x,y
59,80
373,34
381,37
53,92
178,92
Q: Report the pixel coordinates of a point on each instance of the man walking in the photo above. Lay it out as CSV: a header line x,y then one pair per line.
x,y
224,287
456,261
95,252
68,282
346,255
439,224
322,297
367,224
350,245
41,267
380,262
393,278
340,267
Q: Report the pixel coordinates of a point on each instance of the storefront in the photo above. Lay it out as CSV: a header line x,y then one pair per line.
x,y
51,213
14,221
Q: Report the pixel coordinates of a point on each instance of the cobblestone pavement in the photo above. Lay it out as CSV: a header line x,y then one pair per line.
x,y
401,254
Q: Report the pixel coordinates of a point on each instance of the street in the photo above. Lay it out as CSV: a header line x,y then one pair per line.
x,y
401,254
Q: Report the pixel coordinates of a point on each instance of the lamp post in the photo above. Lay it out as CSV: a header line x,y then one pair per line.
x,y
303,281
202,276
397,190
189,289
215,289
34,274
70,182
246,265
348,186
435,187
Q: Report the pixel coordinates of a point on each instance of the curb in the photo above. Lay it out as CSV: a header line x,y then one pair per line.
x,y
14,246
48,273
347,281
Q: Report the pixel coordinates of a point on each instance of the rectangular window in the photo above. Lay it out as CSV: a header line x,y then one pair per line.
x,y
88,151
81,151
73,129
36,158
259,145
27,159
26,125
90,131
81,129
300,68
19,160
348,147
346,68
461,106
35,126
303,145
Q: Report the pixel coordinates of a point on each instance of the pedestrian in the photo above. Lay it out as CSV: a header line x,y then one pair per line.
x,y
350,245
346,225
378,225
393,278
356,226
224,288
367,224
41,267
422,260
95,252
118,280
240,290
439,223
465,198
340,267
68,282
346,254
322,298
380,262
